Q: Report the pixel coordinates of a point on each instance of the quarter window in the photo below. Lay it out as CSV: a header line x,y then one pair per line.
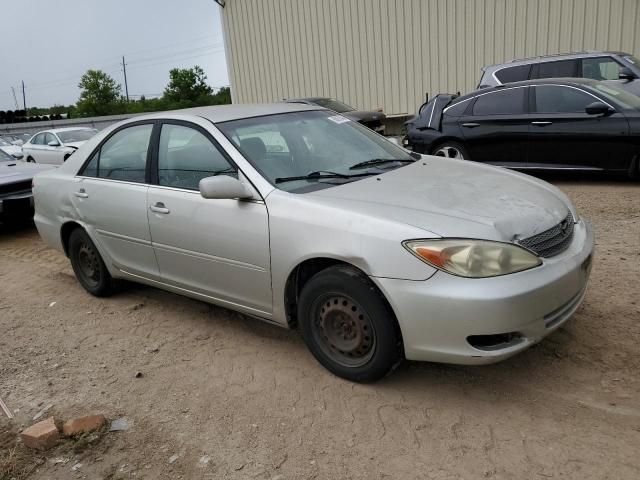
x,y
557,99
561,68
503,102
123,156
603,68
186,156
513,74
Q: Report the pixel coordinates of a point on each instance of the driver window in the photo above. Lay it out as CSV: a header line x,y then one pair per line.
x,y
557,99
186,156
49,137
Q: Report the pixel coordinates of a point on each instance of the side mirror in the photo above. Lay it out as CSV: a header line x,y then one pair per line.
x,y
53,143
17,156
625,73
223,187
597,108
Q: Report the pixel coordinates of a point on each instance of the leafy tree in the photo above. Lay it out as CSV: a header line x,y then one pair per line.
x,y
187,86
100,94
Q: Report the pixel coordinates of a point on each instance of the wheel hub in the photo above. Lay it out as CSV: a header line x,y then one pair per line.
x,y
88,262
345,330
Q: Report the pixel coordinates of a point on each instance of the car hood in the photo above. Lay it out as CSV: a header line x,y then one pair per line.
x,y
11,149
18,171
451,198
364,116
75,145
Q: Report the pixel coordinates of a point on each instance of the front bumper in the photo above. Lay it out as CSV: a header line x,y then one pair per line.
x,y
437,316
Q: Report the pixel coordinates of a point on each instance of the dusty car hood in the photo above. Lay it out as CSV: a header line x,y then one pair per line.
x,y
364,116
455,199
12,172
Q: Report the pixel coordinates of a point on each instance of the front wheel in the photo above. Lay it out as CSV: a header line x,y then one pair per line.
x,y
30,159
348,326
451,150
88,265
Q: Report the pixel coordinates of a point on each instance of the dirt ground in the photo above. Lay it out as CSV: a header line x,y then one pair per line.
x,y
234,398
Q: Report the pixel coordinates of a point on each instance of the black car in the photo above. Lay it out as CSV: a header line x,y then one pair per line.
x,y
575,124
372,119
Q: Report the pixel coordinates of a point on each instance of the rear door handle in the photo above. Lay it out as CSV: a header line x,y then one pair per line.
x,y
470,125
81,193
541,123
159,208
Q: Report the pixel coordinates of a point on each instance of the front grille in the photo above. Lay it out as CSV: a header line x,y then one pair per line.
x,y
15,187
553,241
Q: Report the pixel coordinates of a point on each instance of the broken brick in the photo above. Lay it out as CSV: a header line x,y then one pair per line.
x,y
81,425
42,435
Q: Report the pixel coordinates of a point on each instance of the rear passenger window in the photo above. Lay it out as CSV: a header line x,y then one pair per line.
x,y
186,156
502,102
561,68
513,74
123,156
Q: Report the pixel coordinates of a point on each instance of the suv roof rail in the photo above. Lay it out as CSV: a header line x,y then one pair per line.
x,y
551,55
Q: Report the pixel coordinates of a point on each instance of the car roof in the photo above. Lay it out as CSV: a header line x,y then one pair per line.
x,y
555,57
225,113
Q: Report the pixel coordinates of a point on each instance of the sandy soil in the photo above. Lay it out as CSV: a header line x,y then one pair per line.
x,y
234,398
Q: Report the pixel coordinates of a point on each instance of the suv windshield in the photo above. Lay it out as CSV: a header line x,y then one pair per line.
x,y
318,144
334,105
617,95
69,136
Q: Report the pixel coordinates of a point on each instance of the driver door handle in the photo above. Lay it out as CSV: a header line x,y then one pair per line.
x,y
541,123
81,193
159,208
471,125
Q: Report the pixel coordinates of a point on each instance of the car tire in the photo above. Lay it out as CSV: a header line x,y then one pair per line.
x,y
451,150
88,265
348,325
30,159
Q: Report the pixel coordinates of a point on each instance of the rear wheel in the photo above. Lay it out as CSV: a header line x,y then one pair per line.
x,y
88,265
451,150
348,326
30,159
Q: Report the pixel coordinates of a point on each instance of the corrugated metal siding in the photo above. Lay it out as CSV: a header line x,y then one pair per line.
x,y
388,53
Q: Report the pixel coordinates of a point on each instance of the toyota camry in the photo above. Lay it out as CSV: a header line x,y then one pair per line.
x,y
298,216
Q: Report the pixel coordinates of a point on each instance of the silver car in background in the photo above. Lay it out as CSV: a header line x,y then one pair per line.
x,y
57,145
301,217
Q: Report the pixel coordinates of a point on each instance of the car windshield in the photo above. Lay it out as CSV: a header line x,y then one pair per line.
x,y
619,96
69,136
333,104
318,144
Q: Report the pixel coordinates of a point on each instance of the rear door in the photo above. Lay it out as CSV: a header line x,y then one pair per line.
x,y
497,127
563,135
35,148
110,195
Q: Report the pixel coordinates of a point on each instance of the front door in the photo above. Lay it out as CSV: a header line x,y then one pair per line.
x,y
216,248
496,130
110,195
562,135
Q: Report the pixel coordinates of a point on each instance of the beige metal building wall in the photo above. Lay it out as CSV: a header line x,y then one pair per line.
x,y
388,53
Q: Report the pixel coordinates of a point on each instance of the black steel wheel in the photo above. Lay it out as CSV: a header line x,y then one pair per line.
x,y
348,325
88,265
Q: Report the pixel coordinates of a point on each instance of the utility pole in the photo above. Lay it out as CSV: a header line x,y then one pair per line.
x,y
24,99
124,69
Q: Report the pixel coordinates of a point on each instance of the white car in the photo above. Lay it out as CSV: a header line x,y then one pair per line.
x,y
56,145
14,150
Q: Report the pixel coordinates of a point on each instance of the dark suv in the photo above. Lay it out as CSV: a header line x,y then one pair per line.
x,y
620,68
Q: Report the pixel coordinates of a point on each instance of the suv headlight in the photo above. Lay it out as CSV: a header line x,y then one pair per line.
x,y
473,258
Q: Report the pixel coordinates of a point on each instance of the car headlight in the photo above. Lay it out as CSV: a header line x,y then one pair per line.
x,y
473,258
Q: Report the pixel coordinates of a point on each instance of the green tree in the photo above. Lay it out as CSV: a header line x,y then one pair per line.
x,y
187,87
100,95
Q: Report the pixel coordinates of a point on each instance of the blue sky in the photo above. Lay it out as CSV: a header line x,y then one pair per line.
x,y
50,43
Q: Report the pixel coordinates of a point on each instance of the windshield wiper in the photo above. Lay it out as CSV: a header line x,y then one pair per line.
x,y
321,174
379,161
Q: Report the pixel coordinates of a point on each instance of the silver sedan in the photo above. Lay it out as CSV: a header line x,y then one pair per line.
x,y
303,218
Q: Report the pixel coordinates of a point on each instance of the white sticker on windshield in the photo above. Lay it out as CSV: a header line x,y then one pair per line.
x,y
339,119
